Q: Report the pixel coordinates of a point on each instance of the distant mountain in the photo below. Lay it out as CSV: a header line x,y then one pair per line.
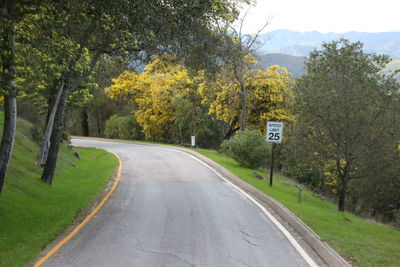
x,y
302,43
393,66
294,64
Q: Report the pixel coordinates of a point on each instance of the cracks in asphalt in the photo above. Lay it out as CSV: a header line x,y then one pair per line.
x,y
139,247
245,233
248,235
248,241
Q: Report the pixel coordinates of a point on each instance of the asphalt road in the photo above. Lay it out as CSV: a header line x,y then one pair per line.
x,y
171,210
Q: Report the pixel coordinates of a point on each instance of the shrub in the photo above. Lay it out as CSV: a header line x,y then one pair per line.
x,y
121,127
304,173
248,148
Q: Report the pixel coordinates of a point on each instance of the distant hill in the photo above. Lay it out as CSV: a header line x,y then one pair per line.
x,y
301,43
294,64
393,66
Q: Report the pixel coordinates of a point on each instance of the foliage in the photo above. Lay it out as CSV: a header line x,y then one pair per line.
x,y
248,148
167,104
268,94
342,103
99,108
58,44
303,172
122,127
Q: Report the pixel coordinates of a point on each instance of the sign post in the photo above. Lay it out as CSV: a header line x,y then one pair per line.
x,y
274,135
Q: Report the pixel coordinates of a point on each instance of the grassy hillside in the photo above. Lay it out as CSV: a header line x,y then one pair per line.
x,y
33,213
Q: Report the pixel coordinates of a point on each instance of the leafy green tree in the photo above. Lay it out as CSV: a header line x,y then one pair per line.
x,y
7,22
343,109
11,13
125,27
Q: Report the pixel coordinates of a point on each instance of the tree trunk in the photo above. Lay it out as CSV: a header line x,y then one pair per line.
x,y
10,101
49,126
85,123
52,99
56,134
7,140
342,193
232,129
99,128
243,114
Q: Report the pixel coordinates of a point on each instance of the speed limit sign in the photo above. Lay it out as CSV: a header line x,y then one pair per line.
x,y
274,131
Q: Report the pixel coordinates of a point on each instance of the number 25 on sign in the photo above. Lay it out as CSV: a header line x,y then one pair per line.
x,y
274,131
274,135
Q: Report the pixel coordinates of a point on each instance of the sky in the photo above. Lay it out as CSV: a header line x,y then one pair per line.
x,y
325,15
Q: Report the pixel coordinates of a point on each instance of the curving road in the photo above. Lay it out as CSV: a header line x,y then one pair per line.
x,y
171,210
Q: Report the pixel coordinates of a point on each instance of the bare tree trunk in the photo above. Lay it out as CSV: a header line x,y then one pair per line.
x,y
10,101
7,140
342,193
99,128
56,134
232,129
243,114
49,126
84,123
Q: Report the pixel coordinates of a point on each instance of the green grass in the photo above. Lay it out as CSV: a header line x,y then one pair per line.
x,y
33,213
362,242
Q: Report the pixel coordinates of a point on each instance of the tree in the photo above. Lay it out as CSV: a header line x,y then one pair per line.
x,y
241,48
167,104
342,108
8,87
268,94
100,108
125,27
11,13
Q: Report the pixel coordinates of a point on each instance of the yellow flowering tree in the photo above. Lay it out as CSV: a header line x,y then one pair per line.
x,y
155,92
267,95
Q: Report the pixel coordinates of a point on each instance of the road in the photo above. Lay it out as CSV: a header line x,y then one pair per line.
x,y
171,210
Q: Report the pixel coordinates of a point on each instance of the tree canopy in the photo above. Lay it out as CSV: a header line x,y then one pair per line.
x,y
344,111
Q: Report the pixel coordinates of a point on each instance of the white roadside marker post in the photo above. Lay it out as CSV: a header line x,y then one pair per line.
x,y
193,141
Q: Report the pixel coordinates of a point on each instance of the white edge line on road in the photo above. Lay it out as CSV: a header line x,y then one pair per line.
x,y
291,239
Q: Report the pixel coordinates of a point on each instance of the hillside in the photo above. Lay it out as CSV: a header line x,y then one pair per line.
x,y
33,213
294,64
394,65
301,43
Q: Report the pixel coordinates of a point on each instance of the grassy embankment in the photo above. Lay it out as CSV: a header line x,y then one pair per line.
x,y
362,242
33,213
